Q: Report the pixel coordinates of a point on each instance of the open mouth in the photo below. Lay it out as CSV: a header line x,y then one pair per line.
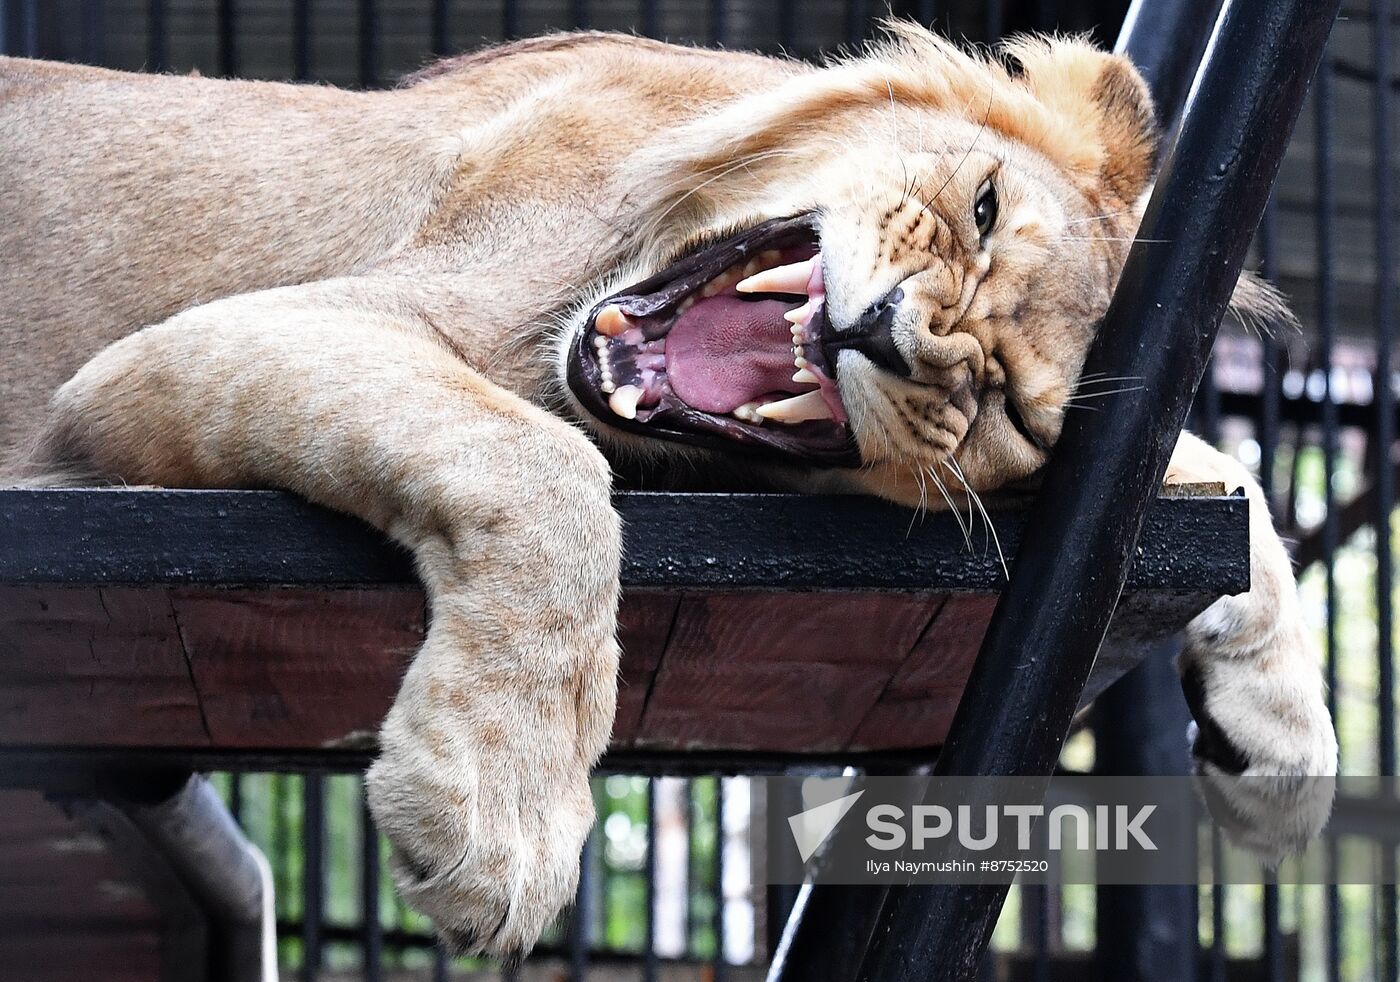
x,y
726,348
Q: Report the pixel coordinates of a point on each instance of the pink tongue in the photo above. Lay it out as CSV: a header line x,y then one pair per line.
x,y
724,352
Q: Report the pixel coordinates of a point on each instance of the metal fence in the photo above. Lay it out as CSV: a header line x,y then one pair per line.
x,y
1313,413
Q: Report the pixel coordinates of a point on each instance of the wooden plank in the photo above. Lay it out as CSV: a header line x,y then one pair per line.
x,y
917,705
777,672
99,666
294,667
644,625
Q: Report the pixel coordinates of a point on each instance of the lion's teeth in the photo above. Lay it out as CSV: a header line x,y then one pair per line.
x,y
748,412
624,401
780,279
611,321
799,316
805,375
685,305
809,405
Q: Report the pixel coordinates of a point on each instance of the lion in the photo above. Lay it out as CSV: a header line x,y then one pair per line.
x,y
456,308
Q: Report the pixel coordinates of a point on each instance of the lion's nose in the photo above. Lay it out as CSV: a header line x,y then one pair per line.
x,y
873,335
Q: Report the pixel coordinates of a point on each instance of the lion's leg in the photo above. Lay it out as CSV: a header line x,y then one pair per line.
x,y
1252,674
482,780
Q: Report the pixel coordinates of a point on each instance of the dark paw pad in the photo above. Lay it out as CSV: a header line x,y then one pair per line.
x,y
1211,743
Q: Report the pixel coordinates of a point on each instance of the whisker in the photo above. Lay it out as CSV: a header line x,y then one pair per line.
x,y
957,515
1096,218
1106,238
1110,392
971,147
987,519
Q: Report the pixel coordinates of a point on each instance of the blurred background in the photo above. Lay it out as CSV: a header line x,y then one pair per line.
x,y
669,889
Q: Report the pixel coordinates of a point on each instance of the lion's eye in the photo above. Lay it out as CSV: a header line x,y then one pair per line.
x,y
984,212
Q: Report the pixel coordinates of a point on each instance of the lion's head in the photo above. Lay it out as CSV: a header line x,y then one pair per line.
x,y
894,264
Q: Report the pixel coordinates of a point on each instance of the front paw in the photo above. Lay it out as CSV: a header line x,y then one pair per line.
x,y
1263,743
482,788
492,859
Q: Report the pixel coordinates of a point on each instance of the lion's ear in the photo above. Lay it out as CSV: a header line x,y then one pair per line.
x,y
1104,101
1128,128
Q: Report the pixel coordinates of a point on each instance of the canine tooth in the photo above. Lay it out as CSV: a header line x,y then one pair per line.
x,y
805,375
624,401
611,321
780,279
801,315
809,405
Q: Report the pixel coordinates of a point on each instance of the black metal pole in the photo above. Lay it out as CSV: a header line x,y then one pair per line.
x,y
1166,40
1145,933
1084,524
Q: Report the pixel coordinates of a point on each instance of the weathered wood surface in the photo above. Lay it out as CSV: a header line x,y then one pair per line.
x,y
91,657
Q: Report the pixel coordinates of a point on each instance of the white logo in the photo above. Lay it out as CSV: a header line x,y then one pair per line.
x,y
810,828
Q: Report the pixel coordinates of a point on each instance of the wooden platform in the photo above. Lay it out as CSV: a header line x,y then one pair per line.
x,y
254,627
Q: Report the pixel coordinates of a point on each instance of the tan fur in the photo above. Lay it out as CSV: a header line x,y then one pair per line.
x,y
357,296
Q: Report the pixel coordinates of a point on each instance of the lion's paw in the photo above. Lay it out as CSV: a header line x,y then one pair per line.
x,y
1264,748
489,853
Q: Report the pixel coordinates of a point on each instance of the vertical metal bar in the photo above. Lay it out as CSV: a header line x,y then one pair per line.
x,y
995,21
649,960
313,829
1145,933
510,20
857,20
579,14
438,27
1166,41
279,863
1273,367
1035,898
928,12
719,21
442,969
235,796
371,930
1080,531
1218,967
651,27
301,40
1273,935
1326,329
227,27
94,14
157,55
369,44
721,966
581,928
1382,12
29,32
787,24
